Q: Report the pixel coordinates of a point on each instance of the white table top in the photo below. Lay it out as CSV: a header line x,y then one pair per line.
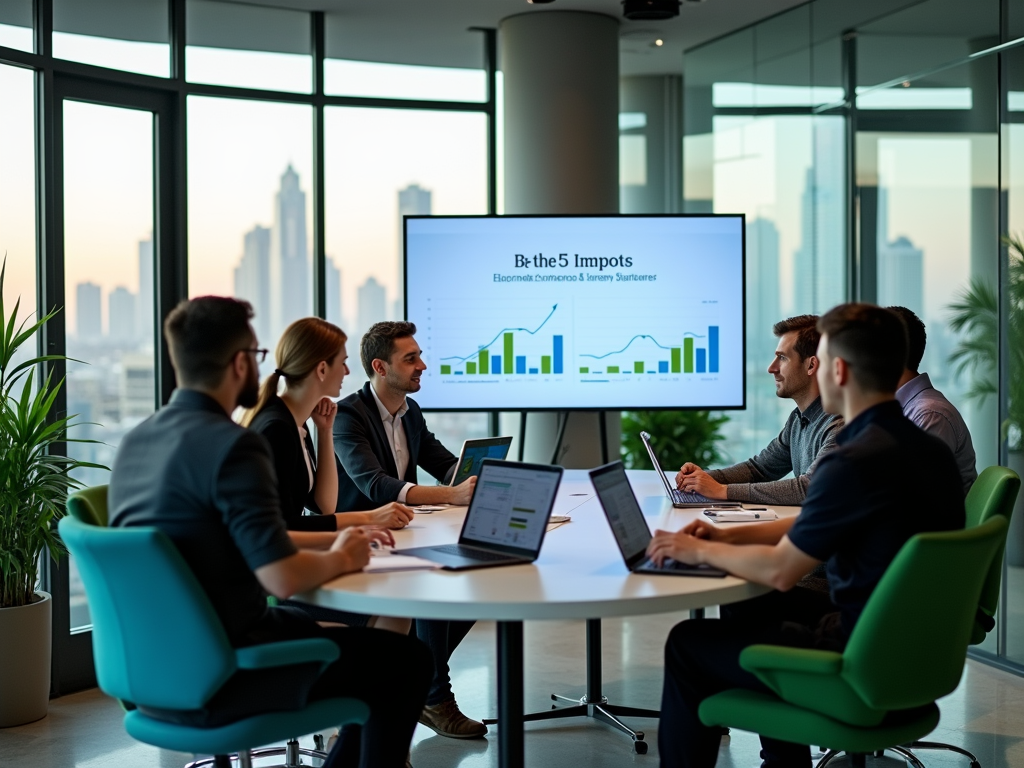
x,y
579,574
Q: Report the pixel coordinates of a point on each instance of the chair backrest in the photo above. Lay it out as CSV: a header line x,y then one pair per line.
x,y
993,493
909,645
156,639
90,505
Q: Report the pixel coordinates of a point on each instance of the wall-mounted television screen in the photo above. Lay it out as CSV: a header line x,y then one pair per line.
x,y
578,312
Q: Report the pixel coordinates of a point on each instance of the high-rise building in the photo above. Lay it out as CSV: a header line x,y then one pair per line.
x,y
763,301
289,256
335,310
819,263
900,265
122,315
88,315
372,305
146,323
252,278
414,200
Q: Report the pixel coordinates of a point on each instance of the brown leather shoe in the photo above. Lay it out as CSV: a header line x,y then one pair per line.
x,y
446,719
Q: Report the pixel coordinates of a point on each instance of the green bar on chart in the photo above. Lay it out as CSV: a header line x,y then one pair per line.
x,y
584,369
484,366
688,355
446,369
545,363
613,369
509,356
470,367
676,365
638,366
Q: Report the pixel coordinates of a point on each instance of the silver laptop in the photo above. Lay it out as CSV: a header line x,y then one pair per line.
x,y
681,499
629,527
506,520
473,454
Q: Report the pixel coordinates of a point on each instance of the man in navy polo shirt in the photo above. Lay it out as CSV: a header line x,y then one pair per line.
x,y
860,509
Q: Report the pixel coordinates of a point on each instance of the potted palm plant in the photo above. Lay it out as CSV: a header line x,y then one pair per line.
x,y
34,484
975,315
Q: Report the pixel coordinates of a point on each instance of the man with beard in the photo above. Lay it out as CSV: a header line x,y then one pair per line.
x,y
381,437
808,435
209,485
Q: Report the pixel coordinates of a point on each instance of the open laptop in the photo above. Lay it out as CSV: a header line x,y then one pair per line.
x,y
506,520
473,454
680,499
629,527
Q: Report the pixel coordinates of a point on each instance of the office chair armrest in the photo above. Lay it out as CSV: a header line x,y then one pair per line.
x,y
286,653
757,658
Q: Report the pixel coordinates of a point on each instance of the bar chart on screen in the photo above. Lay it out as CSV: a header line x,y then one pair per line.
x,y
577,314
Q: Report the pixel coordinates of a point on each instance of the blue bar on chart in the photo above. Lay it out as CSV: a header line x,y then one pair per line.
x,y
520,363
713,349
702,360
534,371
458,373
558,354
495,363
663,366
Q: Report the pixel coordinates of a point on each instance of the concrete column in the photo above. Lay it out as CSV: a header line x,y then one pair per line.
x,y
561,81
660,139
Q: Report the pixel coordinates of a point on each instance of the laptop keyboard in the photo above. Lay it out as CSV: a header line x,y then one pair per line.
x,y
683,497
473,554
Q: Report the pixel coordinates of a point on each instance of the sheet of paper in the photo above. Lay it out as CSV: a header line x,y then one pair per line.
x,y
386,562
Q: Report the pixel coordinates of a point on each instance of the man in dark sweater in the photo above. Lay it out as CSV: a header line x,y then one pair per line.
x,y
859,511
810,431
209,484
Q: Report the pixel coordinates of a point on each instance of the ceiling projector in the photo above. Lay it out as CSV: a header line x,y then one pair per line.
x,y
650,10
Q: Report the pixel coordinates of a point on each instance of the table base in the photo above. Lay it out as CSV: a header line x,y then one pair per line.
x,y
510,702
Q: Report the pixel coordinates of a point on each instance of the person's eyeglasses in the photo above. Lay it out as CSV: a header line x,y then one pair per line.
x,y
259,354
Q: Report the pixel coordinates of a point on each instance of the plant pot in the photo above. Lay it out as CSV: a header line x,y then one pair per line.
x,y
1015,535
25,661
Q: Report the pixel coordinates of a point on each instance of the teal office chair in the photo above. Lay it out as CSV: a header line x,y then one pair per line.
x,y
882,689
138,585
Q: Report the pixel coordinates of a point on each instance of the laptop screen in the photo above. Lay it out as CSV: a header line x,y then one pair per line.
x,y
646,438
473,454
623,512
511,505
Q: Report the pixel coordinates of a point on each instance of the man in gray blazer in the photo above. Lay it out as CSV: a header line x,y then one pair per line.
x,y
381,437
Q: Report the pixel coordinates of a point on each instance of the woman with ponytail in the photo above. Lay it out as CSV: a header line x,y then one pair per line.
x,y
311,360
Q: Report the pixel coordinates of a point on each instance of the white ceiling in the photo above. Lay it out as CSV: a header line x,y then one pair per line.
x,y
435,31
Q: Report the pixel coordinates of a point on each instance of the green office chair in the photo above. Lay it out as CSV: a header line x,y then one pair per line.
x,y
130,573
90,505
882,689
993,493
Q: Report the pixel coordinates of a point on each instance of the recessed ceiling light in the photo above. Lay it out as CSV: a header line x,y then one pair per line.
x,y
659,42
539,2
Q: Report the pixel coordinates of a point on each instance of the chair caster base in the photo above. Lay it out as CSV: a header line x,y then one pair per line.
x,y
292,753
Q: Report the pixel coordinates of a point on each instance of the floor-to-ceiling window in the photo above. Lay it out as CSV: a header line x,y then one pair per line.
x,y
193,142
875,150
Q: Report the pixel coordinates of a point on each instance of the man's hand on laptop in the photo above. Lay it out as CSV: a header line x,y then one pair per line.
x,y
702,529
680,546
463,492
696,480
392,515
354,543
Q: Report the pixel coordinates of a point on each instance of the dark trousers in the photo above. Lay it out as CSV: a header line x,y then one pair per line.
x,y
442,638
702,659
387,671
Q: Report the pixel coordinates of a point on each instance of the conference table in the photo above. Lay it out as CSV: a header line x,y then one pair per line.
x,y
580,574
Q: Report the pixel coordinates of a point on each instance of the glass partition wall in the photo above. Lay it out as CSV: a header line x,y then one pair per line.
x,y
878,152
190,147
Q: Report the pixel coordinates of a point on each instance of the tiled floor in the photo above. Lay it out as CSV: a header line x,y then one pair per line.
x,y
986,714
